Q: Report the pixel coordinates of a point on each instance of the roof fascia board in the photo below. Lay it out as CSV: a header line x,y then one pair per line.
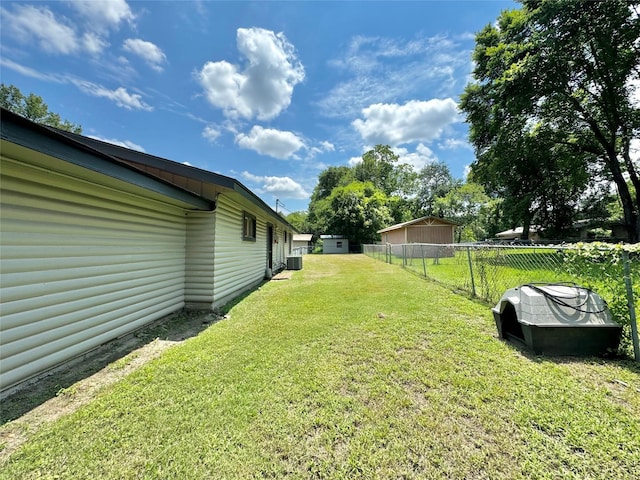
x,y
181,169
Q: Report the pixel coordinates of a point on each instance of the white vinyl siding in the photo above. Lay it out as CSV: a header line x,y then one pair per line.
x,y
199,261
81,264
238,265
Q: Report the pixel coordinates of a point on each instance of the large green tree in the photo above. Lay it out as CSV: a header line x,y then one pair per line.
x,y
381,167
434,181
33,108
469,206
358,211
554,101
298,220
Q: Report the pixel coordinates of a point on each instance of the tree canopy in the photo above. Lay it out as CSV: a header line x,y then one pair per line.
x,y
33,108
378,192
554,105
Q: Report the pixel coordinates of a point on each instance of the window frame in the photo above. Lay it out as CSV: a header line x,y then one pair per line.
x,y
249,227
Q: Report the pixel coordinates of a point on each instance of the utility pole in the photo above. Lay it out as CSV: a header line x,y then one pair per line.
x,y
277,201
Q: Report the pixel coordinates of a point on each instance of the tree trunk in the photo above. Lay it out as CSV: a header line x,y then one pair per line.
x,y
526,227
631,218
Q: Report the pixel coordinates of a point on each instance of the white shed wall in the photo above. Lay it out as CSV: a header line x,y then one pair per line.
x,y
81,264
330,245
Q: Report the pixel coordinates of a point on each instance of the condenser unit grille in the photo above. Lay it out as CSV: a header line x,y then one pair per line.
x,y
294,263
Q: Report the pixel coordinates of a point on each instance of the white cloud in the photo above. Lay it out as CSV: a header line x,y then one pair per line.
x,y
148,51
211,133
377,69
267,141
353,161
28,23
30,72
281,187
121,143
93,43
104,14
322,147
57,34
414,121
454,144
263,87
122,98
327,146
417,159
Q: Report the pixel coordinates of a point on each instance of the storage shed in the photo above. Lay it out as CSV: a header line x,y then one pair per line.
x,y
334,244
422,230
98,240
302,243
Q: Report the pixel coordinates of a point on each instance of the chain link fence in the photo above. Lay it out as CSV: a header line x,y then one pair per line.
x,y
487,271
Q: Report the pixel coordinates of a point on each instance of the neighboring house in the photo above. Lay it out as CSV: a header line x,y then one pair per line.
x,y
302,243
98,240
516,234
334,244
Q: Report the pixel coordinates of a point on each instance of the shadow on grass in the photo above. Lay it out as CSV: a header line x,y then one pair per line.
x,y
175,327
618,359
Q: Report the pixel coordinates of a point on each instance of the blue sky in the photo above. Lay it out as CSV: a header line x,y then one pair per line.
x,y
270,93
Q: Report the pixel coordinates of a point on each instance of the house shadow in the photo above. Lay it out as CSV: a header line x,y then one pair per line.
x,y
62,380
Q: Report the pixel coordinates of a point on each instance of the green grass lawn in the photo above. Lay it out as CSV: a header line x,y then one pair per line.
x,y
494,270
352,369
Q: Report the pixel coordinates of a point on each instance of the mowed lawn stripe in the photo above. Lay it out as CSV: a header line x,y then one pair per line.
x,y
350,369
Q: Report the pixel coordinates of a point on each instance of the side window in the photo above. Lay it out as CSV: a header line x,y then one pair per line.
x,y
248,227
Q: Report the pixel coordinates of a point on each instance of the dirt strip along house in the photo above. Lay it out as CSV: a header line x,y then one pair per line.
x,y
98,240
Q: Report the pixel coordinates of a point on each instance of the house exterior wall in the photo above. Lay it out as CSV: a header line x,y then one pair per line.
x,y
199,265
82,263
239,265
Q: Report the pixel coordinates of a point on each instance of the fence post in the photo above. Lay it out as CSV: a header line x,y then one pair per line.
x,y
473,283
404,255
424,265
630,302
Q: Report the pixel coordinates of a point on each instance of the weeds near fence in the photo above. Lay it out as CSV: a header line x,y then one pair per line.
x,y
487,271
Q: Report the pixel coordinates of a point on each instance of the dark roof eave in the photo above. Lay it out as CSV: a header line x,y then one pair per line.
x,y
50,141
183,170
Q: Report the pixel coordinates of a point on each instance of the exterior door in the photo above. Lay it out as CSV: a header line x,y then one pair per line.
x,y
270,246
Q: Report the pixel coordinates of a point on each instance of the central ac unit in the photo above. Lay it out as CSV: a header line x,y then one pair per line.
x,y
294,263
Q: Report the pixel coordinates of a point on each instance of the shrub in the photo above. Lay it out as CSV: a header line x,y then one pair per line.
x,y
601,267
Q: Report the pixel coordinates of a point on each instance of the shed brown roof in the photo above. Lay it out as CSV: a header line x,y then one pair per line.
x,y
428,220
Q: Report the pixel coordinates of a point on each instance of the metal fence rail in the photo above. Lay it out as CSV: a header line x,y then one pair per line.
x,y
487,271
